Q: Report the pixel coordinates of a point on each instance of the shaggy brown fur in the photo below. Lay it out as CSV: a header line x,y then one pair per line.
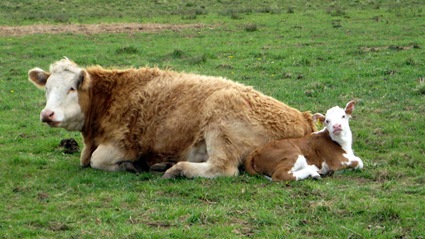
x,y
157,115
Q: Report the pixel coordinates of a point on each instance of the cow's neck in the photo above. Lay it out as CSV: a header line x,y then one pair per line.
x,y
95,108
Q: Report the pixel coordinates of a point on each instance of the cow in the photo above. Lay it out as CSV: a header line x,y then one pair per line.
x,y
132,119
316,154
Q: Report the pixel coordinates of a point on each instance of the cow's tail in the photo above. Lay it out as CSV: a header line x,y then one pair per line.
x,y
249,163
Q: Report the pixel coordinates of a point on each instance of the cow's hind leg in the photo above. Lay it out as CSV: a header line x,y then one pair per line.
x,y
223,159
206,170
110,158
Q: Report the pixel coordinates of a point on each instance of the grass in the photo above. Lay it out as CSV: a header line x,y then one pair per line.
x,y
310,55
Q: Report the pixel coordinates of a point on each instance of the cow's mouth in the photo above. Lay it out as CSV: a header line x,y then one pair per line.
x,y
53,123
337,131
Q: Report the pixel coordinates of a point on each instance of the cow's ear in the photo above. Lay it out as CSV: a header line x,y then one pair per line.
x,y
84,80
38,77
350,107
317,117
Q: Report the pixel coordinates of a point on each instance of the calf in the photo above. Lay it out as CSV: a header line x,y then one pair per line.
x,y
318,153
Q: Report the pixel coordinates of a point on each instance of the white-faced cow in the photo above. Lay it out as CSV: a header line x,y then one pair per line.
x,y
146,116
312,155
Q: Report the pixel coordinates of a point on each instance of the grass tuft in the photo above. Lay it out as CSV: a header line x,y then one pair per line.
x,y
127,50
252,27
420,87
198,59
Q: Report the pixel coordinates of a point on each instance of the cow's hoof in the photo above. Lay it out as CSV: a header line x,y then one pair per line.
x,y
167,176
161,167
85,165
130,167
317,177
172,173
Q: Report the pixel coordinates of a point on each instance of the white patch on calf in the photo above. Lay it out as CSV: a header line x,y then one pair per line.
x,y
352,159
301,170
324,169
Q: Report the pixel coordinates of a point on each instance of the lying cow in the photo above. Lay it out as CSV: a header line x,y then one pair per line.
x,y
146,116
318,153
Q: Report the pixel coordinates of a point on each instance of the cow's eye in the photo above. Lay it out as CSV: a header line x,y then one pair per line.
x,y
327,121
72,89
343,116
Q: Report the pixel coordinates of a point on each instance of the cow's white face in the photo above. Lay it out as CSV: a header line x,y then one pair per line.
x,y
61,84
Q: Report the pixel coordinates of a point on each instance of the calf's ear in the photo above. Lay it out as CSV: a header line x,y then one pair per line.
x,y
38,77
350,107
317,117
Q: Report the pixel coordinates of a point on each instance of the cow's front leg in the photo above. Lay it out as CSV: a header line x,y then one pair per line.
x,y
86,155
111,158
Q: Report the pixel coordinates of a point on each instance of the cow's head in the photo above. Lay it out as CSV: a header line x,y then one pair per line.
x,y
61,84
336,120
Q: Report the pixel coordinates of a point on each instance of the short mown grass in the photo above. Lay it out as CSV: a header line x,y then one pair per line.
x,y
309,54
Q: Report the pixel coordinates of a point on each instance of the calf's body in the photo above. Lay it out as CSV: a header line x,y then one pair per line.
x,y
310,156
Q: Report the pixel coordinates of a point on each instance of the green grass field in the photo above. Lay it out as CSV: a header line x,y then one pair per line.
x,y
311,55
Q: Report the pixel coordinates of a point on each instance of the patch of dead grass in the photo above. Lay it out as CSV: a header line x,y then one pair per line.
x,y
88,29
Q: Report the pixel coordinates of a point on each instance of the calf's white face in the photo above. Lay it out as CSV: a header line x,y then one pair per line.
x,y
61,83
336,122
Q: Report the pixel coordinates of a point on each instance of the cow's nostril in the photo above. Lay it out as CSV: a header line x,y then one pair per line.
x,y
47,115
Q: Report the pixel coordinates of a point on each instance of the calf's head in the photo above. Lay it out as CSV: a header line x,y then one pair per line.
x,y
336,122
61,84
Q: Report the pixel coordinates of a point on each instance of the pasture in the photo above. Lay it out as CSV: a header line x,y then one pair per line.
x,y
311,55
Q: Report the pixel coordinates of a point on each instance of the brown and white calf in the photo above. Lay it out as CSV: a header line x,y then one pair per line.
x,y
313,155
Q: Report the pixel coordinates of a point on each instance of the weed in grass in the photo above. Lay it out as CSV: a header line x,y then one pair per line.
x,y
336,23
126,50
252,27
420,87
177,54
336,11
196,60
290,9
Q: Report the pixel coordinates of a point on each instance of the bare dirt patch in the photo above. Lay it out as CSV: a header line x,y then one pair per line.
x,y
88,29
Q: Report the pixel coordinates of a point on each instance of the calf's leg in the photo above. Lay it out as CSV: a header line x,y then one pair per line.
x,y
309,171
